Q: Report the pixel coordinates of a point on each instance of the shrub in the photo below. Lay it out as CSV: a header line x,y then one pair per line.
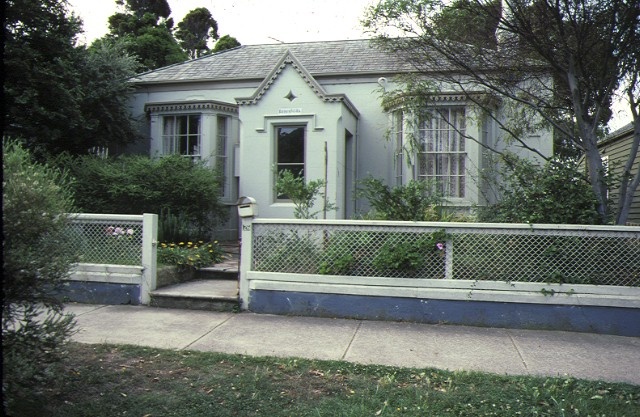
x,y
415,201
37,258
347,253
407,254
174,187
303,195
556,193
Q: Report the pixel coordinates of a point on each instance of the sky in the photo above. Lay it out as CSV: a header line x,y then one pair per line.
x,y
252,22
256,22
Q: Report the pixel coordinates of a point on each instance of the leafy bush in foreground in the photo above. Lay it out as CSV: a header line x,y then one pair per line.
x,y
37,258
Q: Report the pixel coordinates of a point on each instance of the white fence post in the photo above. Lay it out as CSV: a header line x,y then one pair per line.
x,y
246,255
448,259
149,256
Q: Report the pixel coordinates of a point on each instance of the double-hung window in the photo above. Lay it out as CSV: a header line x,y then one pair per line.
x,y
181,135
290,151
442,154
397,130
221,152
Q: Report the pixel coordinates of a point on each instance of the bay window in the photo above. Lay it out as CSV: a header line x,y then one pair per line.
x,y
181,135
221,152
442,155
397,129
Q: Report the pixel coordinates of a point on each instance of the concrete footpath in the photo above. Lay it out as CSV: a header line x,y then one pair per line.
x,y
500,351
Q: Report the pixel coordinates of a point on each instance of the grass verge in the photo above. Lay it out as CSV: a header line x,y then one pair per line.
x,y
118,380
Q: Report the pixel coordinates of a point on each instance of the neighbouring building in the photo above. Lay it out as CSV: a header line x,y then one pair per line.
x,y
316,109
615,150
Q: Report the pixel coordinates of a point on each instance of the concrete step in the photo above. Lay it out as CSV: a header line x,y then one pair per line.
x,y
217,272
200,294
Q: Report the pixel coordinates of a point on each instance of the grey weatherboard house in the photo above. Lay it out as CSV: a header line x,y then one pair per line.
x,y
314,108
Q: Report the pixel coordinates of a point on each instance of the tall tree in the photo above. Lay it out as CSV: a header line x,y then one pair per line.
x,y
146,30
40,71
158,8
107,67
225,42
195,31
59,97
558,62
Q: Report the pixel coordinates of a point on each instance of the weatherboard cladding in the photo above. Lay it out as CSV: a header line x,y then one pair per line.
x,y
257,61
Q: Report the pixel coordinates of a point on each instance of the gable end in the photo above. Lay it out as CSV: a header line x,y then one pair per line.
x,y
289,59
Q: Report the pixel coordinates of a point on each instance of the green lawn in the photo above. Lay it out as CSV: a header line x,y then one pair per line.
x,y
116,380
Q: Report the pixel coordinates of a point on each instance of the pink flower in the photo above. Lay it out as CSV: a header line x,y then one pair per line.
x,y
440,246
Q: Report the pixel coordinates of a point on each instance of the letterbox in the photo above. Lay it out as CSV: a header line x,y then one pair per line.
x,y
247,207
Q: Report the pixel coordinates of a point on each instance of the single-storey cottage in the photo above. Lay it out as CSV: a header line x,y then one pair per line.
x,y
316,109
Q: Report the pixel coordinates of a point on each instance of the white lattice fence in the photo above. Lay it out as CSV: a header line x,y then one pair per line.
x,y
597,255
116,249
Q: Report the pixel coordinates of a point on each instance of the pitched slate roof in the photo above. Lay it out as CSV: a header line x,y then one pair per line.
x,y
351,57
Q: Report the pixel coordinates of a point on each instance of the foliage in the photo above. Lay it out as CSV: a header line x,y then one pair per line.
x,y
59,97
302,194
137,184
346,253
479,28
554,193
147,30
408,254
174,228
195,30
36,259
225,42
147,37
111,380
414,201
108,121
293,251
190,255
557,66
141,7
367,253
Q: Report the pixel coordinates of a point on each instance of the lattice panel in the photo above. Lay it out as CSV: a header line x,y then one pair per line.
x,y
552,256
511,255
108,242
350,250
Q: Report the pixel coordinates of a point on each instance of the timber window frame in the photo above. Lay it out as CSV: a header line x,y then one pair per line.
x,y
182,135
442,153
290,148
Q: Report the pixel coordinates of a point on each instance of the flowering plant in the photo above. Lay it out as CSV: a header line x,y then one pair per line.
x,y
190,254
118,231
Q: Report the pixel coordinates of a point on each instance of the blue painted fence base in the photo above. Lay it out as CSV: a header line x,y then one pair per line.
x,y
100,293
593,319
